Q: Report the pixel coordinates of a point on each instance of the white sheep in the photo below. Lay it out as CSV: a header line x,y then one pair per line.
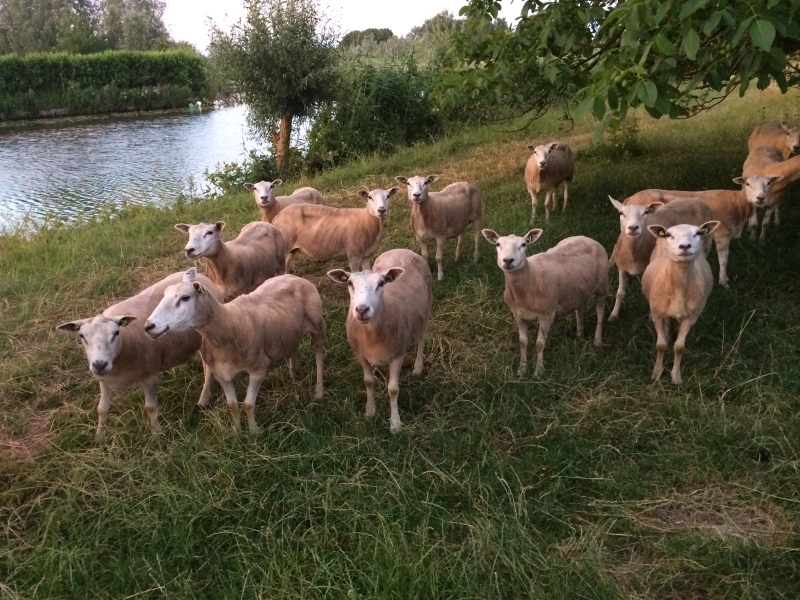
x,y
677,284
253,333
550,284
241,265
121,355
768,161
784,138
269,205
443,215
634,248
549,166
324,232
390,307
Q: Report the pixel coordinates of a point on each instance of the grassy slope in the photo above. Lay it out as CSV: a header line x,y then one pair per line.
x,y
588,482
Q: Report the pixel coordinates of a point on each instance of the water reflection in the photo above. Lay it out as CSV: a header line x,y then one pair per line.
x,y
75,166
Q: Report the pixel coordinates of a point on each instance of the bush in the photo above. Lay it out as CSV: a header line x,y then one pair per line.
x,y
230,177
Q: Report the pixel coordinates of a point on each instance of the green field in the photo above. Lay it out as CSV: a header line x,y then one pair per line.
x,y
587,482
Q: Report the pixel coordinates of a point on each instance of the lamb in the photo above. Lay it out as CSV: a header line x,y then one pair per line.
x,y
443,215
121,355
549,166
270,206
324,232
768,161
549,284
732,208
390,307
784,138
252,333
677,285
241,265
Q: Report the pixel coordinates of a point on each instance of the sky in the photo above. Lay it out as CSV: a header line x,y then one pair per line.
x,y
186,19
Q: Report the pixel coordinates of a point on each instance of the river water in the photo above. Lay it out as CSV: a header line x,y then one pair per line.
x,y
74,167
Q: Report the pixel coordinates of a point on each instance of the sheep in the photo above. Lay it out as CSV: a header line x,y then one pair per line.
x,y
549,166
390,307
121,355
768,161
549,284
732,208
251,333
633,250
443,215
269,205
324,232
784,138
241,265
677,284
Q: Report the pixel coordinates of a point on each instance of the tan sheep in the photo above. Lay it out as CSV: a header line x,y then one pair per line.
x,y
390,307
550,284
677,284
768,161
443,215
323,232
549,166
269,205
784,138
121,355
241,265
253,333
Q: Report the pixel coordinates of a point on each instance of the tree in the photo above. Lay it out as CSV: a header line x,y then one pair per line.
x,y
282,60
673,57
355,38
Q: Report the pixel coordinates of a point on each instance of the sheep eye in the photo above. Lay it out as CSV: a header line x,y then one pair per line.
x,y
81,338
497,244
524,244
208,233
350,284
669,235
115,334
380,285
184,298
620,214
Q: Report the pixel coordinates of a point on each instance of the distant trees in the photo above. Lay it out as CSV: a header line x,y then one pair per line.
x,y
355,38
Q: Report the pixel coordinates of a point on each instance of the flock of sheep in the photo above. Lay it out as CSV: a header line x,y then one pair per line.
x,y
247,315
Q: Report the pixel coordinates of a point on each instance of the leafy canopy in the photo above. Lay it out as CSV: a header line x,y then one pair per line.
x,y
673,57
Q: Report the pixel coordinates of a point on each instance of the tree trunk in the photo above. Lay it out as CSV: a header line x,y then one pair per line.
x,y
282,151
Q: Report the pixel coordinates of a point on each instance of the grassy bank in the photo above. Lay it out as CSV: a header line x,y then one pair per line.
x,y
589,482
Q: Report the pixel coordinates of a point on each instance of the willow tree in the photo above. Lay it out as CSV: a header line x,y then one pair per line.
x,y
281,59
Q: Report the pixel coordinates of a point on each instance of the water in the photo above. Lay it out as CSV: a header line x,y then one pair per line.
x,y
74,167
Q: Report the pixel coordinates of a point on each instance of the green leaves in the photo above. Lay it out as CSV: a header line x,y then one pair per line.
x,y
763,34
691,44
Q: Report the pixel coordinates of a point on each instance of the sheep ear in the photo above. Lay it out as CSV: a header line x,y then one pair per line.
x,y
654,206
392,274
339,276
531,147
658,231
401,179
219,225
617,204
708,227
490,235
363,193
198,287
277,182
739,180
182,227
393,191
554,145
72,326
190,275
533,235
124,321
775,178
249,186
785,126
431,178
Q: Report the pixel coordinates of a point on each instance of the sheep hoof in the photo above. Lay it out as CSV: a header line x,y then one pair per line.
x,y
440,276
656,375
613,317
395,428
254,430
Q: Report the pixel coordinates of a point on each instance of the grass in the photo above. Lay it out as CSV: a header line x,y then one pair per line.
x,y
588,482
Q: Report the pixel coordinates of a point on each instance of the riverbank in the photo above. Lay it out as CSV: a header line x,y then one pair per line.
x,y
587,482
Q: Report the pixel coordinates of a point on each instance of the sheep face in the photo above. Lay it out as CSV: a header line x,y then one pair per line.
x,y
366,290
417,186
177,310
378,201
792,138
756,188
204,239
542,154
684,242
264,191
511,249
100,338
632,216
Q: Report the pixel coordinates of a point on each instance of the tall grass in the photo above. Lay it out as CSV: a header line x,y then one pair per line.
x,y
588,482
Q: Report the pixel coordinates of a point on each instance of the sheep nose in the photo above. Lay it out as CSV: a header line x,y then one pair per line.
x,y
189,250
362,310
417,195
264,197
685,246
99,365
633,228
148,326
381,211
508,261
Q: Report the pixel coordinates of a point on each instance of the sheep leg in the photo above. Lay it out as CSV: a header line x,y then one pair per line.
x,y
601,312
249,406
394,391
534,200
566,195
753,224
769,215
522,326
439,255
289,256
423,248
548,202
459,244
579,320
318,355
476,228
420,347
544,329
106,393
355,264
661,346
151,403
294,368
723,246
233,404
623,283
365,263
777,214
369,383
680,344
208,382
